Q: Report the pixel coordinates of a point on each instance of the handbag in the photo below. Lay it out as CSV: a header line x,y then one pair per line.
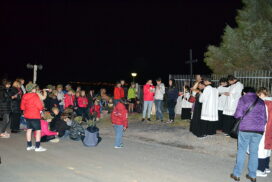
x,y
192,99
235,130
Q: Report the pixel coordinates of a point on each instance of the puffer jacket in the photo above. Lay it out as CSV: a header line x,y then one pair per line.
x,y
255,120
148,95
119,115
5,101
32,106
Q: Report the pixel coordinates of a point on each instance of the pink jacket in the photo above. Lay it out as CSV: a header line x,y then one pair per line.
x,y
45,129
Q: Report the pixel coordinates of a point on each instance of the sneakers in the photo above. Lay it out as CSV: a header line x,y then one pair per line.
x,y
143,119
261,174
267,171
250,178
118,147
30,148
148,119
40,149
235,177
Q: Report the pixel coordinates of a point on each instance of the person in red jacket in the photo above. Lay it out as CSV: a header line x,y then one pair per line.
x,y
32,106
119,118
69,99
83,102
149,93
95,110
118,93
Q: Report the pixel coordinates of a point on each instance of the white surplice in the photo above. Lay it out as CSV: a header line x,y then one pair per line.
x,y
235,92
209,100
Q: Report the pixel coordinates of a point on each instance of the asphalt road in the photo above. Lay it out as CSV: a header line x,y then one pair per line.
x,y
70,161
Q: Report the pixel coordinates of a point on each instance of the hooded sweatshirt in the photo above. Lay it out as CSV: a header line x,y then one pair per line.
x,y
32,106
119,115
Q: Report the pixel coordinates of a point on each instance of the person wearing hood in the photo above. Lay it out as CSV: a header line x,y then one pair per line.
x,y
119,119
159,94
32,107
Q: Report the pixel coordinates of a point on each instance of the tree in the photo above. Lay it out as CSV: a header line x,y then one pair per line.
x,y
249,45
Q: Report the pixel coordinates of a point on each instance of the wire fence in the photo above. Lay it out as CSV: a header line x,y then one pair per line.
x,y
256,79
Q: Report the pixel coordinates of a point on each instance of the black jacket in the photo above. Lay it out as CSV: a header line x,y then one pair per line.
x,y
172,94
61,127
5,100
15,103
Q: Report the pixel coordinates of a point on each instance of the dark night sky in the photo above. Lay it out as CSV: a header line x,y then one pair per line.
x,y
88,41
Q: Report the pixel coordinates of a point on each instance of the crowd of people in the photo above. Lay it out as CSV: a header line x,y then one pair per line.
x,y
55,113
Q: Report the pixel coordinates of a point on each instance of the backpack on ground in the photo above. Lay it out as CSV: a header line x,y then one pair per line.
x,y
92,137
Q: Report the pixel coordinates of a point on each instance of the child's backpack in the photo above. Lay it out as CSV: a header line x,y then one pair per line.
x,y
76,131
91,138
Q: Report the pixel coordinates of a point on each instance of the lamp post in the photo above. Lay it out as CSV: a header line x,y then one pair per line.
x,y
35,69
133,76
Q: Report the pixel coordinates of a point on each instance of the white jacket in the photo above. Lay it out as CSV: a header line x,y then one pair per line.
x,y
235,91
209,100
159,92
185,103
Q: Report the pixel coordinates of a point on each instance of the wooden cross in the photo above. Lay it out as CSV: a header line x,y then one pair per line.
x,y
191,61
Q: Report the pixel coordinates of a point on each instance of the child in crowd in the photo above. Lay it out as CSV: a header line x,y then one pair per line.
x,y
56,117
119,118
46,134
60,97
138,107
69,99
95,111
223,88
77,132
82,102
52,100
186,106
63,125
131,97
110,106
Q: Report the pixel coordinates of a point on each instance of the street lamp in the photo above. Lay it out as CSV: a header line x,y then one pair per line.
x,y
35,69
133,76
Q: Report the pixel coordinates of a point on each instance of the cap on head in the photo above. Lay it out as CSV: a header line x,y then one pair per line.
x,y
30,87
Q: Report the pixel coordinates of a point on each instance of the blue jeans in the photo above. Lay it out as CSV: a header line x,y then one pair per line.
x,y
171,108
119,129
245,140
147,107
158,104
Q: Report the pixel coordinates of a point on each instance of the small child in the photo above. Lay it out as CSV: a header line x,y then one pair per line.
x,y
95,110
110,106
82,102
46,134
56,116
119,118
69,99
77,132
185,104
138,107
63,125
